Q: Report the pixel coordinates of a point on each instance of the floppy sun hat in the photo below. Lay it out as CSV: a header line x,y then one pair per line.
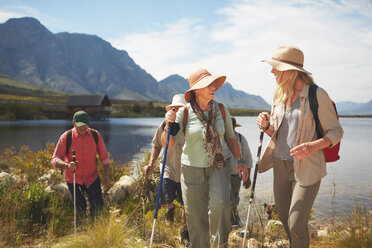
x,y
287,58
178,100
80,118
201,78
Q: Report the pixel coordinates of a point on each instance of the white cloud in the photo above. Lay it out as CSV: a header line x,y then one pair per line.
x,y
333,45
17,11
163,52
336,38
363,7
5,15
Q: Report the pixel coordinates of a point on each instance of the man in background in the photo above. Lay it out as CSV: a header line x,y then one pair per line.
x,y
171,188
235,179
86,142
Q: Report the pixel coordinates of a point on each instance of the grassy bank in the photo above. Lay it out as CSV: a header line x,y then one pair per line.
x,y
32,216
34,108
14,111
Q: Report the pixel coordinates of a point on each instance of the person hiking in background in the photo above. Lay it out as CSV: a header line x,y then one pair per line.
x,y
205,179
235,179
171,187
86,142
294,151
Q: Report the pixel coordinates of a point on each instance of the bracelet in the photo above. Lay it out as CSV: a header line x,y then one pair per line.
x,y
266,128
241,160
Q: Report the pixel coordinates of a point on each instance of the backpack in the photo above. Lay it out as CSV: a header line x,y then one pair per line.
x,y
186,114
331,154
69,138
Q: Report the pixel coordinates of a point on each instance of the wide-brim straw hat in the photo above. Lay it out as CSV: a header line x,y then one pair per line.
x,y
235,124
287,58
201,78
177,101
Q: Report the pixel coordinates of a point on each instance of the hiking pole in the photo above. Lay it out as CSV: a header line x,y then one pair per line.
x,y
253,185
160,183
143,199
74,159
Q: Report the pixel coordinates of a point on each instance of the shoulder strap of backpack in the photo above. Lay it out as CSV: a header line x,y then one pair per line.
x,y
185,116
68,141
95,135
222,109
163,125
313,101
240,138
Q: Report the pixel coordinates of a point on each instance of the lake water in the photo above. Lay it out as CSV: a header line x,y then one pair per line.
x,y
127,138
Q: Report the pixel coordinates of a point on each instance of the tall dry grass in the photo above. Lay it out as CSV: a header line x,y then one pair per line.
x,y
32,217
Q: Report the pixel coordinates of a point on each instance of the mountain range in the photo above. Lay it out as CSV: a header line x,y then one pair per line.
x,y
353,108
86,64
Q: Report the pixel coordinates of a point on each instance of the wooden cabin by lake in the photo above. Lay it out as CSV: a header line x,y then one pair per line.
x,y
97,106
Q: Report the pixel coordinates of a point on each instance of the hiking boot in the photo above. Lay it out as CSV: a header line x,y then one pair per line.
x,y
185,239
169,216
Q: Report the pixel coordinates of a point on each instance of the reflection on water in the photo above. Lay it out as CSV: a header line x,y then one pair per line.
x,y
348,179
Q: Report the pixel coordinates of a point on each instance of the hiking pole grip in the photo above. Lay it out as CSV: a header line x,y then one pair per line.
x,y
263,130
160,184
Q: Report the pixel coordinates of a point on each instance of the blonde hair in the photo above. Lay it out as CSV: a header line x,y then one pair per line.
x,y
286,81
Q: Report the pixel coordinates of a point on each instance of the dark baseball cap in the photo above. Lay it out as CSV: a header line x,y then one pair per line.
x,y
81,118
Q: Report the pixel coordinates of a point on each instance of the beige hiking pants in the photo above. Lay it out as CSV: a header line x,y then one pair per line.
x,y
293,203
206,196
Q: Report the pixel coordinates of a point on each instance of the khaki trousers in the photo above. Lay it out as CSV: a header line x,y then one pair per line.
x,y
293,203
206,196
236,182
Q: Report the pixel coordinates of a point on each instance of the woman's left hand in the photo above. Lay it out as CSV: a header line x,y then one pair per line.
x,y
243,172
302,151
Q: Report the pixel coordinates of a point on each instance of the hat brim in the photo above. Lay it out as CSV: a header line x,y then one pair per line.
x,y
169,107
281,66
80,124
204,82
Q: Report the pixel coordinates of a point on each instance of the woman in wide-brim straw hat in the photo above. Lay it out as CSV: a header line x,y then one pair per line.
x,y
205,180
294,151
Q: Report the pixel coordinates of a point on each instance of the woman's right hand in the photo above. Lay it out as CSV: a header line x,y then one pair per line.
x,y
72,166
147,169
170,116
263,120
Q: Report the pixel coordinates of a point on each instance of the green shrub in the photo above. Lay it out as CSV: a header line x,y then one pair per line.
x,y
25,211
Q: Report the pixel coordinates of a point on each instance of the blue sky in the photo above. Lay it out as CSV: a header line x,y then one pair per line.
x,y
226,37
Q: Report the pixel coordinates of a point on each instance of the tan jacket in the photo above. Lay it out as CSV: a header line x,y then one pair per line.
x,y
313,168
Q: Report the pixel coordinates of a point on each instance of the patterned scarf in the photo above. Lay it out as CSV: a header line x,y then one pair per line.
x,y
211,141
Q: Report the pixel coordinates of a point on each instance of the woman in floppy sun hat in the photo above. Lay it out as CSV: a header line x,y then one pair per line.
x,y
200,79
294,151
205,179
